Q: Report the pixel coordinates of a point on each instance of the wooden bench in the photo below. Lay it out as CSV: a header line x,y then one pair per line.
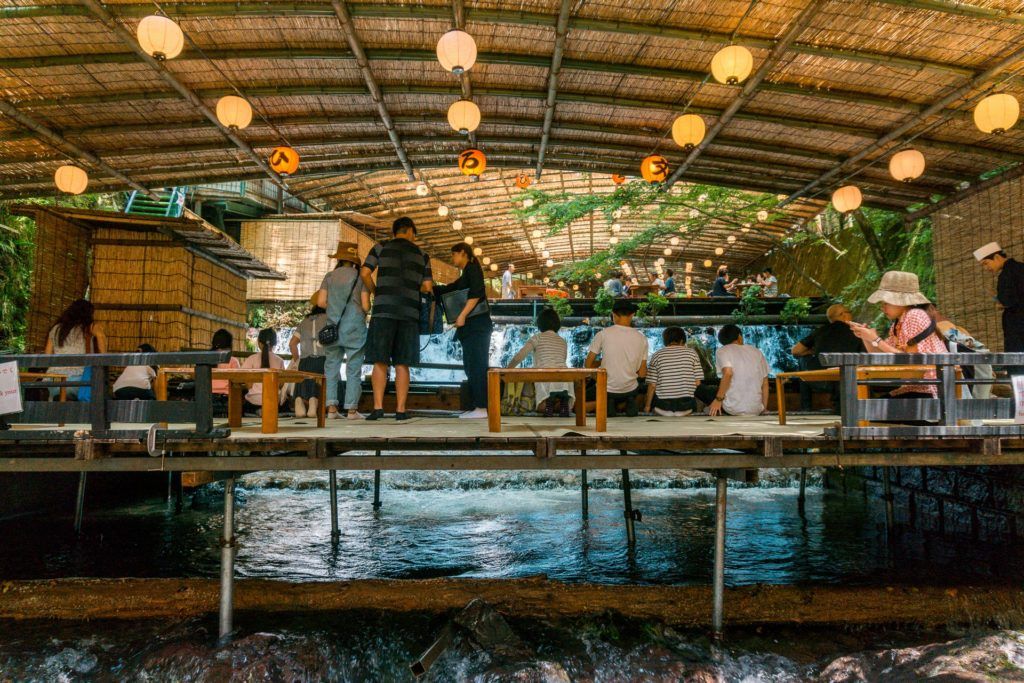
x,y
271,380
868,372
577,376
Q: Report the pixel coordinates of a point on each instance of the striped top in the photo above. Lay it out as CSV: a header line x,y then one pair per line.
x,y
401,268
548,349
674,371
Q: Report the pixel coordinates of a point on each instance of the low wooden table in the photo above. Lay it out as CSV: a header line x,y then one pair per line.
x,y
832,375
577,376
238,378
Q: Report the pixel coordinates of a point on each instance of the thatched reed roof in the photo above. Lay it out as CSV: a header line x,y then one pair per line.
x,y
837,86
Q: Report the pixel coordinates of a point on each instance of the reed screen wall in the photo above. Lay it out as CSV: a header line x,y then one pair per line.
x,y
60,274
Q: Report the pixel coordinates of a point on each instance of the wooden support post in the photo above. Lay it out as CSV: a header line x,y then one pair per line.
x,y
584,491
80,502
376,487
627,501
801,500
718,578
227,561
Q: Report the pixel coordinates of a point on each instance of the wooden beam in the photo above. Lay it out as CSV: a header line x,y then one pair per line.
x,y
1010,174
55,139
749,87
341,10
977,81
561,29
183,90
962,9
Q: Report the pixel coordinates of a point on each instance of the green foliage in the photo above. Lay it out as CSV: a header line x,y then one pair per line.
x,y
652,306
603,302
561,305
795,310
277,316
751,305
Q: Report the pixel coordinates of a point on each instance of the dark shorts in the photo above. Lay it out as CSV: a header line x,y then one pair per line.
x,y
676,405
393,342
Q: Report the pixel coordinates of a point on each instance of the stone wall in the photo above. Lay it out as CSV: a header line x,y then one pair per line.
x,y
965,290
986,503
833,271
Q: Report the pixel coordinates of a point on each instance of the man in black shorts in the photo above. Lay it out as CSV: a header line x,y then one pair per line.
x,y
403,271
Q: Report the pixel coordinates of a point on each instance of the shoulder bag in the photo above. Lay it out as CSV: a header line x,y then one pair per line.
x,y
328,334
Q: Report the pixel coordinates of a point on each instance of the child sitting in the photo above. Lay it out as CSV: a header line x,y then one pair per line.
x,y
549,351
673,374
136,381
266,358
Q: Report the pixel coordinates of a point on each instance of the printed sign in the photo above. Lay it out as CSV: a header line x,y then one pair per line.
x,y
10,389
1018,398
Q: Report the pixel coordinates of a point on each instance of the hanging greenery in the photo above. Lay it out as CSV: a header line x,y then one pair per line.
x,y
685,211
751,305
650,308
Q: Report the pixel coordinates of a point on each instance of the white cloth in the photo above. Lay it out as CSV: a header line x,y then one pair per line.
x,y
135,376
622,350
255,395
507,291
749,370
549,350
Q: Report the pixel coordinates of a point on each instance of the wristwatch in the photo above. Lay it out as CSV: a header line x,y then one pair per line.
x,y
876,341
719,398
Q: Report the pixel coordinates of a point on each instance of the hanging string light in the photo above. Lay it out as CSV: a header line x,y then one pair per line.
x,y
616,228
732,64
464,116
456,50
731,239
996,113
613,240
906,165
71,179
160,37
487,260
494,266
762,215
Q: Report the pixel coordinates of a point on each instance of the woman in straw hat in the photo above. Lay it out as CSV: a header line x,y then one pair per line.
x,y
913,330
346,301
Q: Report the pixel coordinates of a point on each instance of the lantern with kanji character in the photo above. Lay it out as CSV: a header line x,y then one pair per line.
x,y
523,181
284,160
654,168
618,179
472,162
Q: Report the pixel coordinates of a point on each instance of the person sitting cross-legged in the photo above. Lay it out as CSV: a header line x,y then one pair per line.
x,y
622,350
743,389
673,374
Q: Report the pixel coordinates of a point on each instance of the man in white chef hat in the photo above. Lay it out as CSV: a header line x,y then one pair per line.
x,y
1009,292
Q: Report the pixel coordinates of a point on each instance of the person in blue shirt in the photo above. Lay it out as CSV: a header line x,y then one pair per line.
x,y
613,285
670,282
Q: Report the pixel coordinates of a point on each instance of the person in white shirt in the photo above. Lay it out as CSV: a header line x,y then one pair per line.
x,y
136,381
508,291
266,358
623,354
744,370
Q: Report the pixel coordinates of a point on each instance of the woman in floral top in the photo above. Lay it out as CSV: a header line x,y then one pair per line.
x,y
913,330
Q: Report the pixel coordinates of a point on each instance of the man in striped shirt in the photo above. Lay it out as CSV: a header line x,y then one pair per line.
x,y
673,374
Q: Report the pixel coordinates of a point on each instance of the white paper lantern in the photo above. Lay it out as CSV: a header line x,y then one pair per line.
x,y
494,266
549,263
234,112
469,239
744,229
846,198
673,241
616,227
688,131
689,266
613,240
422,190
997,113
561,283
667,251
536,234
477,251
442,210
456,50
160,37
906,165
457,224
660,261
730,239
529,275
71,179
707,263
487,260
762,215
545,254
527,203
532,220
732,64
719,251
464,116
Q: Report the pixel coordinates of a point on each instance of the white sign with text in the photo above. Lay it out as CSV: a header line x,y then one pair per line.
x,y
10,389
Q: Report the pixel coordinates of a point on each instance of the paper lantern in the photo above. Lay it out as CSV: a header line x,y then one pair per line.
x,y
523,181
846,198
617,214
472,162
732,64
464,116
744,229
762,215
456,50
561,283
487,260
689,266
545,254
707,263
532,220
688,130
575,288
71,179
536,234
457,225
494,266
442,211
660,261
422,190
667,251
234,112
477,251
719,251
654,168
549,263
469,239
996,113
613,240
529,276
616,227
160,37
730,239
618,179
527,203
906,165
673,241
284,160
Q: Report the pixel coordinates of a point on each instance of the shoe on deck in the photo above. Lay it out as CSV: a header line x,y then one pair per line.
x,y
402,416
477,414
375,414
354,416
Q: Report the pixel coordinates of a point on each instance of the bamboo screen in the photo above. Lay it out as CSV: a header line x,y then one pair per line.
x,y
59,276
965,291
148,288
